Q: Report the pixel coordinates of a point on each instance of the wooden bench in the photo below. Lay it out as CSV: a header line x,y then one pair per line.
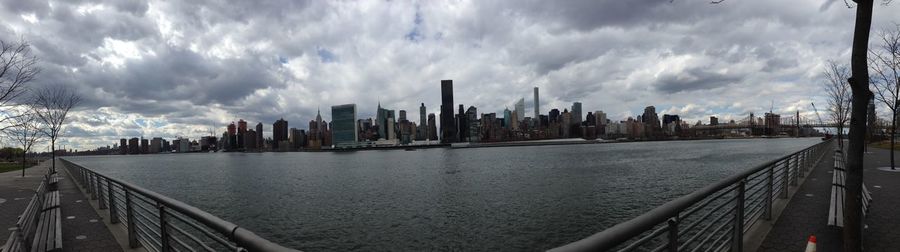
x,y
51,200
53,181
48,235
838,192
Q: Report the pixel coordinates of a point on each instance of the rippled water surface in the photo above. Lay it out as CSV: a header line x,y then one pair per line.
x,y
484,199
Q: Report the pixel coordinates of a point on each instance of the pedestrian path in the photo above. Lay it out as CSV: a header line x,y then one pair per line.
x,y
807,213
82,228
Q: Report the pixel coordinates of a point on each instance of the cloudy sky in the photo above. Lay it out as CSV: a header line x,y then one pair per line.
x,y
182,68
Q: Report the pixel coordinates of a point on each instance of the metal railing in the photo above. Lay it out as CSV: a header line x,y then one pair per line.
x,y
713,218
160,223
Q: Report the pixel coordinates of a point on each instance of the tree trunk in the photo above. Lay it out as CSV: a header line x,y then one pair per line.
x,y
859,84
23,162
893,133
53,156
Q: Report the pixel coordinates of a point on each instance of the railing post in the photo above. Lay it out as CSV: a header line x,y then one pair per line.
x,y
100,193
673,234
93,186
737,244
785,178
113,212
770,183
794,169
801,163
129,218
163,234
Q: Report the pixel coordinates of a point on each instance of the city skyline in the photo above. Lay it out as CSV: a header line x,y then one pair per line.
x,y
160,73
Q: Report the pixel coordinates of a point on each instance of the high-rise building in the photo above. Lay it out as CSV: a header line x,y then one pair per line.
x,y
134,146
651,122
715,121
507,118
260,144
462,125
431,132
537,104
520,109
279,133
473,125
423,124
576,113
123,146
145,146
448,125
343,120
250,140
156,145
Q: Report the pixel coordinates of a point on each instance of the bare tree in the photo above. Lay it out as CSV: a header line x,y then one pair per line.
x,y
838,94
885,65
26,131
17,68
52,104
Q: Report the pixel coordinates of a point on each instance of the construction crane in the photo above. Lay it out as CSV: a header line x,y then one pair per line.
x,y
827,133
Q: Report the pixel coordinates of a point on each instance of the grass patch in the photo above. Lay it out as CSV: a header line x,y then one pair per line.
x,y
886,145
15,166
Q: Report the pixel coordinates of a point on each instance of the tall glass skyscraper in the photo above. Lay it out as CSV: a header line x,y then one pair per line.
x,y
343,121
448,123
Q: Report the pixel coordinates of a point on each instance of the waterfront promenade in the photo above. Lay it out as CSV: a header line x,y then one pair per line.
x,y
806,214
82,228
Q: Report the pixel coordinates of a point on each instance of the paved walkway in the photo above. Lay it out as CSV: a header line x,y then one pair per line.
x,y
806,214
82,228
15,193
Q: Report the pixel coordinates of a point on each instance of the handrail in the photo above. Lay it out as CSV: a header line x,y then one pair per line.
x,y
619,234
243,239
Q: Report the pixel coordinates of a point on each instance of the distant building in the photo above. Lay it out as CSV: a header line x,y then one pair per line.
x,y
250,141
537,104
241,134
156,145
421,134
651,122
448,124
343,119
145,146
713,121
279,133
519,109
123,146
134,146
431,131
260,143
577,116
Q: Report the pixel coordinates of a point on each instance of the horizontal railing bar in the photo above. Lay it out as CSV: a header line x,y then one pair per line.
x,y
204,231
710,200
190,236
714,232
707,215
645,239
710,224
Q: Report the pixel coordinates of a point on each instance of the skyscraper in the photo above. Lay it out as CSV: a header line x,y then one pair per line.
x,y
537,104
260,144
448,124
576,113
343,120
520,109
279,133
423,124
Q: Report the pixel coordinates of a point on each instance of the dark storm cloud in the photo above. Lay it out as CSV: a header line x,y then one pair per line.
x,y
694,79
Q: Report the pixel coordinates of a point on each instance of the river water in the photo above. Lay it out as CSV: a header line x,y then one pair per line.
x,y
477,199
